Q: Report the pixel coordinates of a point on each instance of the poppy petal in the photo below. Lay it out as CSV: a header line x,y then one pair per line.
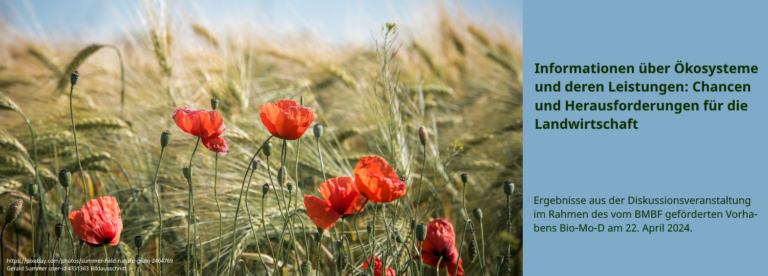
x,y
377,267
217,144
268,114
79,225
294,121
199,123
270,111
321,214
356,206
452,268
98,222
377,181
428,256
341,195
440,244
441,237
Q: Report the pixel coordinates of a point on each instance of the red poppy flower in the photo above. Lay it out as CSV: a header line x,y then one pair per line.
x,y
98,222
439,243
377,181
199,123
217,144
377,267
286,119
341,200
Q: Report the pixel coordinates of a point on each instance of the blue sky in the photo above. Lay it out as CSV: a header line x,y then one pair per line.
x,y
335,20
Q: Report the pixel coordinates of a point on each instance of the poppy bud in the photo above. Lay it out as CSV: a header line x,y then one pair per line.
x,y
301,100
282,175
165,138
32,189
320,230
318,131
306,268
187,172
66,208
214,104
289,186
74,77
255,164
478,213
509,187
65,178
138,241
421,232
398,239
265,189
343,261
413,223
464,178
59,229
268,149
369,228
13,210
472,250
423,135
317,236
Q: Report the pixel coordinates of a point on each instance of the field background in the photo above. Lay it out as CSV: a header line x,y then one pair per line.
x,y
456,74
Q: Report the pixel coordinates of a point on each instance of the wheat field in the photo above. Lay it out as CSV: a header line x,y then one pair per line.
x,y
461,80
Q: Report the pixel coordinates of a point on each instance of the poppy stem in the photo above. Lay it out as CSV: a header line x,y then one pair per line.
x,y
438,265
280,179
317,259
298,150
234,227
277,197
56,246
461,244
250,219
349,257
199,242
159,214
280,248
32,221
418,195
389,244
66,224
357,232
509,231
320,154
106,258
133,193
421,258
216,198
293,235
372,240
74,133
264,225
89,256
291,219
16,230
37,181
482,248
79,258
191,207
2,248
